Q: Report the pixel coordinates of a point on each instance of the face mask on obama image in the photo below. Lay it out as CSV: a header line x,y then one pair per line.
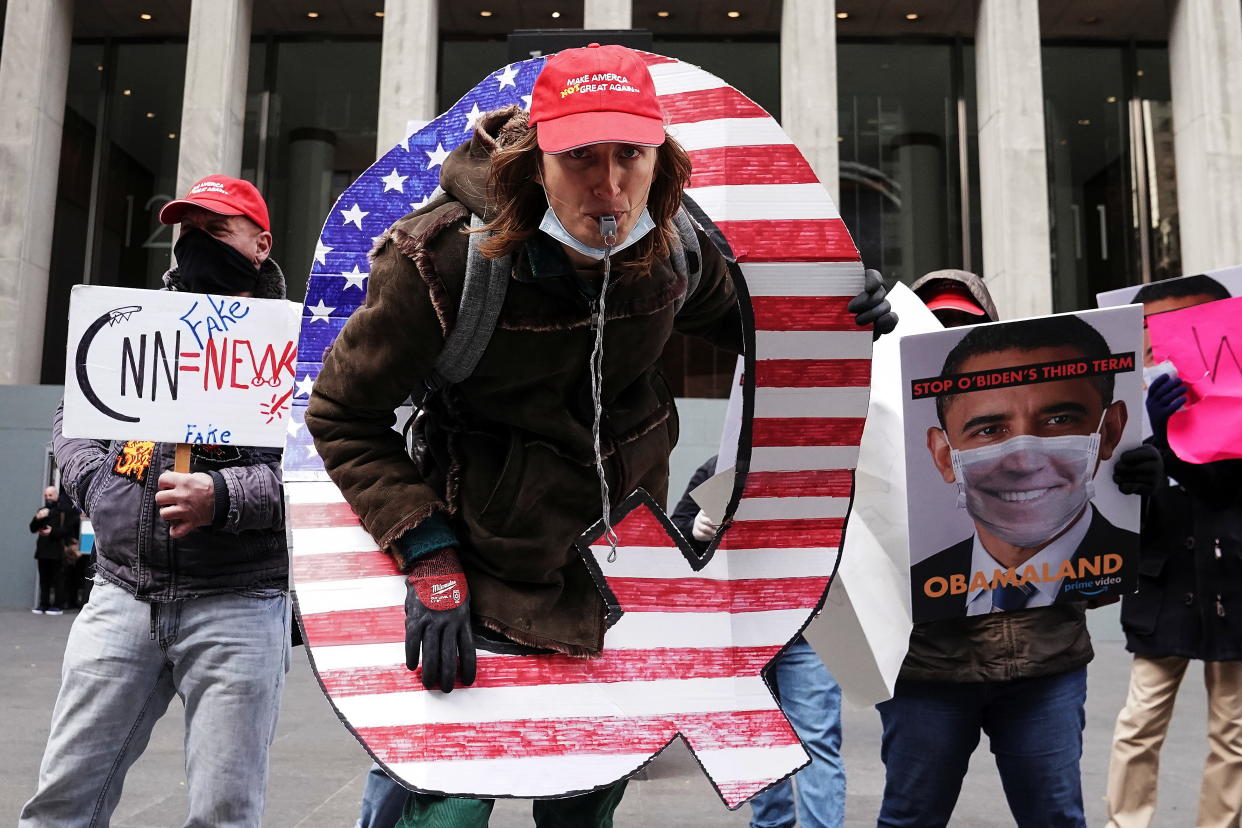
x,y
1028,489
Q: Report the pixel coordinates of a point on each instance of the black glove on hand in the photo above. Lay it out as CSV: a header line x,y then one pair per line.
x,y
437,620
1139,470
1165,395
871,306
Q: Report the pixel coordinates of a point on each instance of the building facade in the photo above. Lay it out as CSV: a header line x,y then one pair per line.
x,y
1043,144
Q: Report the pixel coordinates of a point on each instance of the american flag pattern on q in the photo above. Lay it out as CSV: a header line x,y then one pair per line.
x,y
692,636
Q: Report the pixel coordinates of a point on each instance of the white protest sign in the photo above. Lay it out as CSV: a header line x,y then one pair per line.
x,y
863,632
179,367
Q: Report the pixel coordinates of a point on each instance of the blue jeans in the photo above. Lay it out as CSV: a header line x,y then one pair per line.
x,y
226,657
1034,727
382,800
811,699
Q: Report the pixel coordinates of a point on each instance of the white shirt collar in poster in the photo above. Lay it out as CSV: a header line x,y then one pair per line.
x,y
1062,549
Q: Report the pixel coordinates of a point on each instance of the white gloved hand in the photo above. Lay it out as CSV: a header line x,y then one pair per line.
x,y
704,527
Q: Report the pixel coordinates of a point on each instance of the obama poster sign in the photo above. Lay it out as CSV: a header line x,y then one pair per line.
x,y
1011,433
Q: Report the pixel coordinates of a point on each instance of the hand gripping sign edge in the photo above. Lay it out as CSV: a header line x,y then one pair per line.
x,y
761,580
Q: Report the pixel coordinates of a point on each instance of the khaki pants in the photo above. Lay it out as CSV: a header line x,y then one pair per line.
x,y
1141,726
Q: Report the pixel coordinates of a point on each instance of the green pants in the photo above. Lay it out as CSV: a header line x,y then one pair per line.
x,y
592,810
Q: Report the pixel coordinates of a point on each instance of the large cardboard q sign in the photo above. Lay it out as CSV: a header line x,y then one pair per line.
x,y
690,633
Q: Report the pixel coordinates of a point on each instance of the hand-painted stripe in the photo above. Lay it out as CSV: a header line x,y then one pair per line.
x,y
804,313
802,458
378,603
537,670
729,132
673,77
812,402
813,373
803,278
317,541
775,164
783,533
855,344
634,631
668,697
321,515
304,493
708,104
806,431
817,483
776,508
784,240
524,738
732,202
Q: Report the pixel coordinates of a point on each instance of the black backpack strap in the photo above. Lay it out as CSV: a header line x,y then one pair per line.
x,y
482,295
686,256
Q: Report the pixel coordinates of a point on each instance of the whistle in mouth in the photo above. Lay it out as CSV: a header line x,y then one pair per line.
x,y
608,229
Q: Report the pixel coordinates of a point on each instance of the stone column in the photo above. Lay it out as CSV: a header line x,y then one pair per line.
x,y
408,65
607,14
1205,67
1013,177
809,83
213,110
34,73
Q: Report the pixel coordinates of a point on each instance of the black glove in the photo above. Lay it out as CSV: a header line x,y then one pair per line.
x,y
1139,470
871,306
1165,395
437,620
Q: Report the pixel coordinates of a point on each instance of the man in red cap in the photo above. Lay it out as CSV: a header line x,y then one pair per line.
x,y
191,590
549,430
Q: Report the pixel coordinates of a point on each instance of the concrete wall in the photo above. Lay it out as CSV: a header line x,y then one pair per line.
x,y
25,437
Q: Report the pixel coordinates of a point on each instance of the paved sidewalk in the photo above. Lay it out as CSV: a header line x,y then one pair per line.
x,y
317,767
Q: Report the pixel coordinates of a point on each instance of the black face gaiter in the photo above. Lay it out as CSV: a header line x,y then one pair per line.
x,y
208,265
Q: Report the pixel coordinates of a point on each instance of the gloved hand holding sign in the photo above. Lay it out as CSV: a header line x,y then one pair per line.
x,y
871,306
437,620
1165,396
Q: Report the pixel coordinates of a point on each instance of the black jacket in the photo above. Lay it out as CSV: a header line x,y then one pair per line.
x,y
1189,597
64,520
115,484
686,510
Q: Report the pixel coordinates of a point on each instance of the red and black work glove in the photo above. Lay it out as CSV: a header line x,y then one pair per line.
x,y
1139,470
437,620
871,306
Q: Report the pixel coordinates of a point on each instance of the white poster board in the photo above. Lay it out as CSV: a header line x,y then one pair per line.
x,y
178,367
1004,487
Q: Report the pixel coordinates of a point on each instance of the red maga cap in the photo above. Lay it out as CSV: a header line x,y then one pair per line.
x,y
223,195
595,94
954,298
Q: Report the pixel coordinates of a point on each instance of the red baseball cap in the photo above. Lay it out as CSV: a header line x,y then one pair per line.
x,y
223,195
595,94
951,297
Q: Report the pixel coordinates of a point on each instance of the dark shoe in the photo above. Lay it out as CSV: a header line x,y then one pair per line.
x,y
38,610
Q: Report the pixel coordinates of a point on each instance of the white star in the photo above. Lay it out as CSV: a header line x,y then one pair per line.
x,y
431,195
526,102
507,76
436,157
304,386
472,117
295,428
392,181
355,215
321,252
320,312
355,279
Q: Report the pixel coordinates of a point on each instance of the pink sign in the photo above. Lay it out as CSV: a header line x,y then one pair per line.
x,y
1205,343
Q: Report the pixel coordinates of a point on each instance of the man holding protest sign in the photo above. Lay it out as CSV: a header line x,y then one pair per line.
x,y
1188,604
1019,675
191,595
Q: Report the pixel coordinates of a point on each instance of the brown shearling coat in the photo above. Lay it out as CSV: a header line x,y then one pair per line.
x,y
512,446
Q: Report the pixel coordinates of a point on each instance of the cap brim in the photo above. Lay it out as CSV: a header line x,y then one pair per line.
x,y
174,211
582,128
951,301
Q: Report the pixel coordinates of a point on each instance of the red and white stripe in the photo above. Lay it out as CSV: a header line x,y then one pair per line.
x,y
686,655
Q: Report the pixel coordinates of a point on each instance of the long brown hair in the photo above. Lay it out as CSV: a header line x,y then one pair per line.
x,y
513,186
